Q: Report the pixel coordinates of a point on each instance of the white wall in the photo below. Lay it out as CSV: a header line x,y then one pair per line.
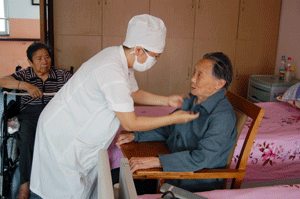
x,y
289,34
22,9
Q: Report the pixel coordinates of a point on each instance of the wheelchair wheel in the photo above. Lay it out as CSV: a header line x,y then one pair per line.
x,y
11,181
9,168
11,184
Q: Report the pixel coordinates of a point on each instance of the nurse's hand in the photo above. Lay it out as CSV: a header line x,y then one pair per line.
x,y
182,117
137,163
124,138
176,101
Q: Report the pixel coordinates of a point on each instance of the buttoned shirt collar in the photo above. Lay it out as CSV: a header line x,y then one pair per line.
x,y
210,103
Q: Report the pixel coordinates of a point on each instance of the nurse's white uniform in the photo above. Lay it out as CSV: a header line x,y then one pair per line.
x,y
79,121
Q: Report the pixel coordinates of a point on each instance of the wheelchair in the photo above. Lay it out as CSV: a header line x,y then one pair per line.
x,y
9,150
9,155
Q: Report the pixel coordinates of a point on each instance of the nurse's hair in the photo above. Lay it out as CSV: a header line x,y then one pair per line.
x,y
222,68
127,48
35,47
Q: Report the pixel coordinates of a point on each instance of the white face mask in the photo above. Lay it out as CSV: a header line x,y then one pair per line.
x,y
145,66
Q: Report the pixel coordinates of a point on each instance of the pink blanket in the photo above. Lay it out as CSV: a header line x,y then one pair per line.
x,y
274,192
275,154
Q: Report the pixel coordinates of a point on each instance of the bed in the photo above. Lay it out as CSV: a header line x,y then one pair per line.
x,y
275,155
274,192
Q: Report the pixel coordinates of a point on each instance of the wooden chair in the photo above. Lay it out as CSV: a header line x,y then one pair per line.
x,y
243,109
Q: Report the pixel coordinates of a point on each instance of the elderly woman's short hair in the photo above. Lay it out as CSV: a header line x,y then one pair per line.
x,y
35,47
222,68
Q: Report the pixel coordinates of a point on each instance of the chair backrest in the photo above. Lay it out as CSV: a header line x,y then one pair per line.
x,y
241,119
244,109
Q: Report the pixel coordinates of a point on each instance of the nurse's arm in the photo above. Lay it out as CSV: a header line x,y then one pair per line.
x,y
131,122
146,98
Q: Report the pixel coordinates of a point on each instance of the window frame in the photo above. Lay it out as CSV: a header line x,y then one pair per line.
x,y
6,19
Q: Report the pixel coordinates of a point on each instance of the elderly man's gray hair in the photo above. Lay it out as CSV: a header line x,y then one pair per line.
x,y
222,67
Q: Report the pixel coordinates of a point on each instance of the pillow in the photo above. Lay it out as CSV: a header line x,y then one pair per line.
x,y
295,103
291,96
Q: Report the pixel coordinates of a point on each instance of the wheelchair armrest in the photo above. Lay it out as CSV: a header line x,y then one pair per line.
x,y
72,70
6,89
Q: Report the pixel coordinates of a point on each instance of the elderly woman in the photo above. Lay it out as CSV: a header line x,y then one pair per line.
x,y
204,142
37,79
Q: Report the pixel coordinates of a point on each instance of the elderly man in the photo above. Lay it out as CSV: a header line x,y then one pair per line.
x,y
202,143
86,113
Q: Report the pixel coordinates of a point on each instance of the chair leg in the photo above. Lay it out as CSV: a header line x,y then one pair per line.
x,y
236,183
160,182
224,186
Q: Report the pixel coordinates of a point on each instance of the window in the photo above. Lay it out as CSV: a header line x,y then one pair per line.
x,y
4,20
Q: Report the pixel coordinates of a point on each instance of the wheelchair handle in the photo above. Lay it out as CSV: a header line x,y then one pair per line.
x,y
20,94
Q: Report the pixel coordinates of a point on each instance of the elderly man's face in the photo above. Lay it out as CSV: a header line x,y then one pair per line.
x,y
204,84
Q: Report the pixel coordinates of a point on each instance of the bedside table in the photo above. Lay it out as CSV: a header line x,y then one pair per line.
x,y
265,88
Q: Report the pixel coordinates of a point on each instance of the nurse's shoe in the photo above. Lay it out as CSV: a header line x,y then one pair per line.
x,y
24,191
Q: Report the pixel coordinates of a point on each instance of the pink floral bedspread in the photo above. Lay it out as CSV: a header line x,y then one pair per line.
x,y
275,154
273,192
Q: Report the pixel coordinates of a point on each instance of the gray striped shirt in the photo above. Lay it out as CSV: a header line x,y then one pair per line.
x,y
55,81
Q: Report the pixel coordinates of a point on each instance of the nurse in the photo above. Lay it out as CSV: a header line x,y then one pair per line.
x,y
86,113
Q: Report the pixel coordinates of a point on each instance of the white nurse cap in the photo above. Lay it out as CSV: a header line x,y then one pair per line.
x,y
146,31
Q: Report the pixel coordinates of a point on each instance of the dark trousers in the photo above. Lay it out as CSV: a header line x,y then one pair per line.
x,y
28,121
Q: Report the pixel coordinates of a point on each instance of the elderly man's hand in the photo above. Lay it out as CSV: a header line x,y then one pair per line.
x,y
176,101
137,163
125,138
